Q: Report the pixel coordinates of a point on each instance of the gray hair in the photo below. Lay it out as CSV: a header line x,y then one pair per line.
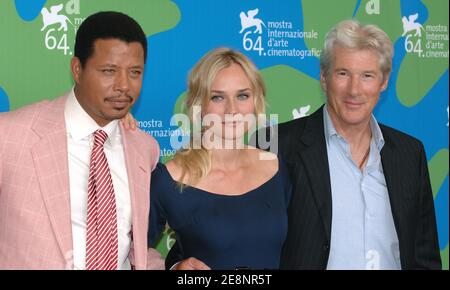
x,y
352,34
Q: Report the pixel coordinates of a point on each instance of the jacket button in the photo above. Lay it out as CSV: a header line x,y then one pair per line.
x,y
326,247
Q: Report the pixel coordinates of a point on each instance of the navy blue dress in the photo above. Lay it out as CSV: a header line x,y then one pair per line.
x,y
223,231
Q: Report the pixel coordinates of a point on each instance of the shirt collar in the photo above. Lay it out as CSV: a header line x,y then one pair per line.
x,y
330,130
377,135
328,125
81,126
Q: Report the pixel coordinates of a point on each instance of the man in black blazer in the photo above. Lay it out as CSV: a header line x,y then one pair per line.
x,y
328,206
302,146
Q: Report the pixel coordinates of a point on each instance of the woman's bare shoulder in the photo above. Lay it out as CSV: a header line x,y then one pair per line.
x,y
174,170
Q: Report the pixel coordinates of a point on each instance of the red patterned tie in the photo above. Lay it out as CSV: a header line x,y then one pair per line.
x,y
101,238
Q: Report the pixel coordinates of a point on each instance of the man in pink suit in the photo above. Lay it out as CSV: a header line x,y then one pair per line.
x,y
50,218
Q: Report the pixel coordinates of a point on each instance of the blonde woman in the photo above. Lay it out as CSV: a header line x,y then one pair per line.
x,y
227,206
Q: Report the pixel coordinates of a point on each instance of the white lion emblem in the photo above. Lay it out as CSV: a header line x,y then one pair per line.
x,y
250,21
52,17
410,25
301,112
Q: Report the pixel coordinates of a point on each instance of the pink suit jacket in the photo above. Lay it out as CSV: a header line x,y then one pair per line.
x,y
35,213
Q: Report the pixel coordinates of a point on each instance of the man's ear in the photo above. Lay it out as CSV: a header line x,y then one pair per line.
x,y
385,82
75,67
323,80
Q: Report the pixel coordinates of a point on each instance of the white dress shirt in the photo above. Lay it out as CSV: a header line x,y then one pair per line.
x,y
80,128
363,234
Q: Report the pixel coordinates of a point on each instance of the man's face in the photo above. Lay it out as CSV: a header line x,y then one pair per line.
x,y
353,86
111,79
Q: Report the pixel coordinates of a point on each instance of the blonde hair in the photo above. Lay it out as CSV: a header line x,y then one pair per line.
x,y
197,162
352,34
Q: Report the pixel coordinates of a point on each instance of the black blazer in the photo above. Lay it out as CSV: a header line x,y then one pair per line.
x,y
302,146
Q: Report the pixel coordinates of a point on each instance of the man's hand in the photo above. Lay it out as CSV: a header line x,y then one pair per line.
x,y
129,122
191,264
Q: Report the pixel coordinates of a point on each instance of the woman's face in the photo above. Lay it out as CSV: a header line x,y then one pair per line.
x,y
230,107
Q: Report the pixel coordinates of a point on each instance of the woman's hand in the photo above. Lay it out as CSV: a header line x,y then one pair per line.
x,y
191,264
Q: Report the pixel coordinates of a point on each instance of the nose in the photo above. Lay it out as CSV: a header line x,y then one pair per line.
x,y
122,82
231,107
355,86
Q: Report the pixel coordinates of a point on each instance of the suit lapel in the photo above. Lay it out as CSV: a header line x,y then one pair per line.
x,y
51,163
313,154
139,183
392,167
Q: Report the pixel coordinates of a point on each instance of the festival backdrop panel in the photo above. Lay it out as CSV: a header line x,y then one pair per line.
x,y
283,37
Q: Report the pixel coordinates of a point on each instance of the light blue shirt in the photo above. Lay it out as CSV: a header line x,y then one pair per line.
x,y
363,234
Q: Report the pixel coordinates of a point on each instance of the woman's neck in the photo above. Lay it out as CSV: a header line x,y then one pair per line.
x,y
229,159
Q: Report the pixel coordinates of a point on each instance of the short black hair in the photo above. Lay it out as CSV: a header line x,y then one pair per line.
x,y
107,25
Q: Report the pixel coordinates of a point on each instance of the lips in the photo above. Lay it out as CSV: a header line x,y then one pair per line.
x,y
353,105
119,103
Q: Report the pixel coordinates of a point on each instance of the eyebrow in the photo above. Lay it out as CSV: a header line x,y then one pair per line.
x,y
340,68
366,71
116,66
108,65
239,91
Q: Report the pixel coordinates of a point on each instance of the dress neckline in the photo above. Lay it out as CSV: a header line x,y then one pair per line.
x,y
247,193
